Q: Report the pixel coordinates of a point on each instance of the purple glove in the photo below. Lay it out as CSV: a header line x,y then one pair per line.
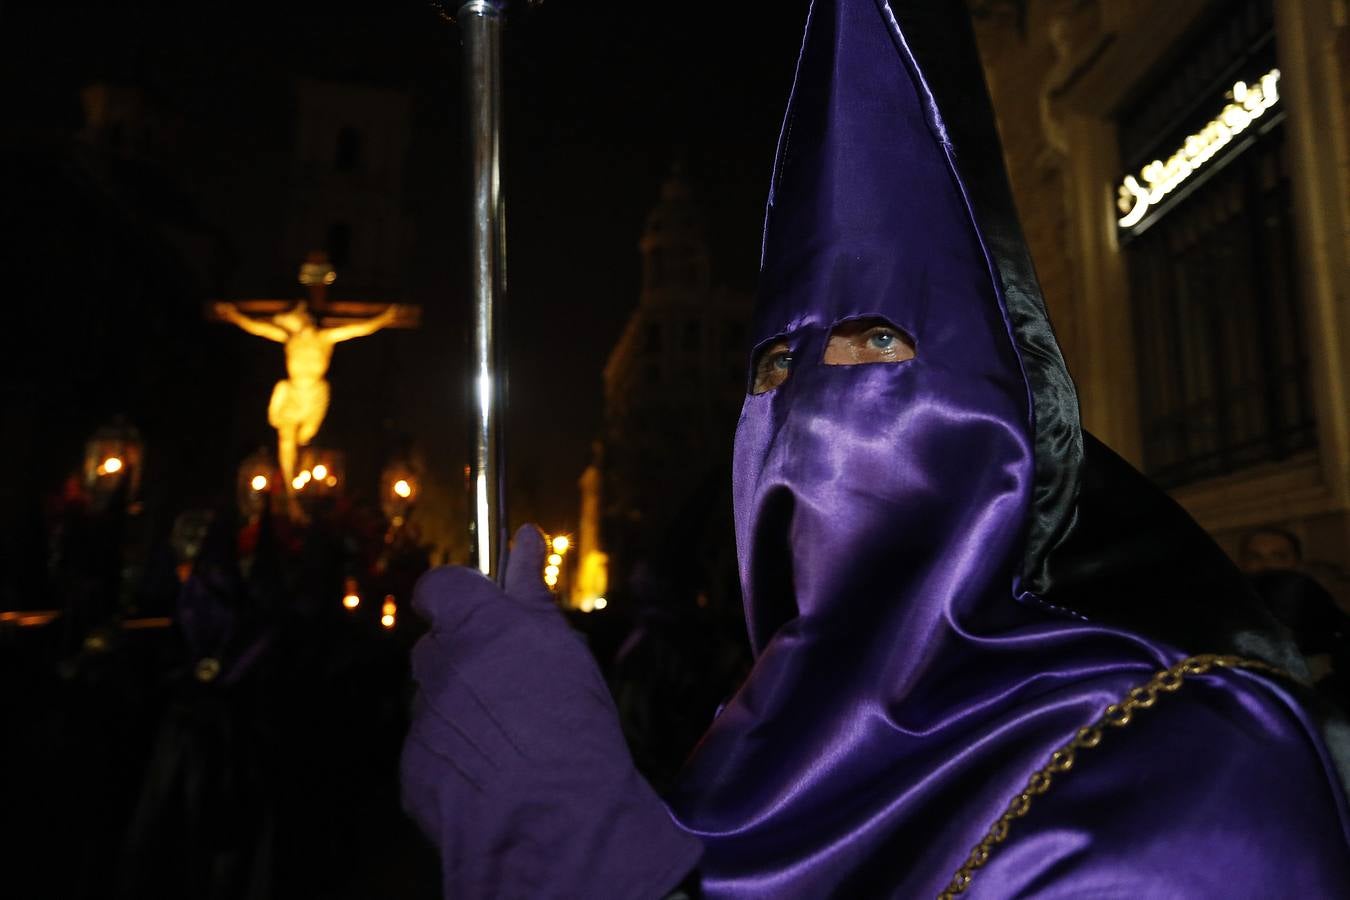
x,y
515,765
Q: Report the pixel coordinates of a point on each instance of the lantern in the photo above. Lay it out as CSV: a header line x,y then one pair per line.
x,y
257,478
112,458
351,594
399,489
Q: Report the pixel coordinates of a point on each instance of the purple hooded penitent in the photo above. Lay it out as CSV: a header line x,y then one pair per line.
x,y
905,532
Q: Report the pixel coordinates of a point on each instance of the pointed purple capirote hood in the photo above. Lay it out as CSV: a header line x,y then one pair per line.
x,y
884,202
893,522
868,217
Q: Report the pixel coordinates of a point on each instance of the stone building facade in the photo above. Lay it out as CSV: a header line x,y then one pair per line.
x,y
673,388
1210,339
348,183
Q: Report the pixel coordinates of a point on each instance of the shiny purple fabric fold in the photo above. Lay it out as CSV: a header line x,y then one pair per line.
x,y
906,686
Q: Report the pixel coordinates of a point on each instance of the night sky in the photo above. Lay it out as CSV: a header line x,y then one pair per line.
x,y
602,99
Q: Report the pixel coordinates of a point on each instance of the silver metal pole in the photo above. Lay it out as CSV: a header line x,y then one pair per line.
x,y
480,23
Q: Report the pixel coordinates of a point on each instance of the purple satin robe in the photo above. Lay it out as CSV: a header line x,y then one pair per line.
x,y
908,682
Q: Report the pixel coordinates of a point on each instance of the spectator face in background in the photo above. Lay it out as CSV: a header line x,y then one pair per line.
x,y
1270,550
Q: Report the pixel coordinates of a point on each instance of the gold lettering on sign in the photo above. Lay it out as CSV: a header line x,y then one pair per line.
x,y
1247,103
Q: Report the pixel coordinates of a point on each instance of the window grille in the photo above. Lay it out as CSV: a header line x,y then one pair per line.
x,y
1223,369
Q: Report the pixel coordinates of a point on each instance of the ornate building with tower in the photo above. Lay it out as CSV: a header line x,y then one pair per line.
x,y
673,389
348,185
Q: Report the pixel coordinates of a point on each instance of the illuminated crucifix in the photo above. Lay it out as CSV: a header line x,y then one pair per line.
x,y
308,330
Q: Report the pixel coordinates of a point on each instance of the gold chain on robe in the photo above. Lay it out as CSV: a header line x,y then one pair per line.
x,y
1117,715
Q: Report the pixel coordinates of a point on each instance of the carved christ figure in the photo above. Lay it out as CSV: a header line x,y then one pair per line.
x,y
300,400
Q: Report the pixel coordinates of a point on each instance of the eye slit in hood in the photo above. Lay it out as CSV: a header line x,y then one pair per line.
x,y
869,339
773,364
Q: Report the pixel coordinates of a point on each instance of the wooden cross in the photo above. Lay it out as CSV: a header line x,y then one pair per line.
x,y
316,274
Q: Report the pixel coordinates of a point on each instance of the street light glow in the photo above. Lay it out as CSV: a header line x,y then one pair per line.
x,y
601,603
320,471
351,601
561,543
111,466
551,570
259,483
554,559
402,488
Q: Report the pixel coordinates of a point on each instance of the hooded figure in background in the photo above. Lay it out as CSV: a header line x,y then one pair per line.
x,y
203,825
991,659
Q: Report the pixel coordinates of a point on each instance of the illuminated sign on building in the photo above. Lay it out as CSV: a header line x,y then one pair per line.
x,y
1247,103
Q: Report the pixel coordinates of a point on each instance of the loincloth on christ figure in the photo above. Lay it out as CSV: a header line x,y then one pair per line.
x,y
298,406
